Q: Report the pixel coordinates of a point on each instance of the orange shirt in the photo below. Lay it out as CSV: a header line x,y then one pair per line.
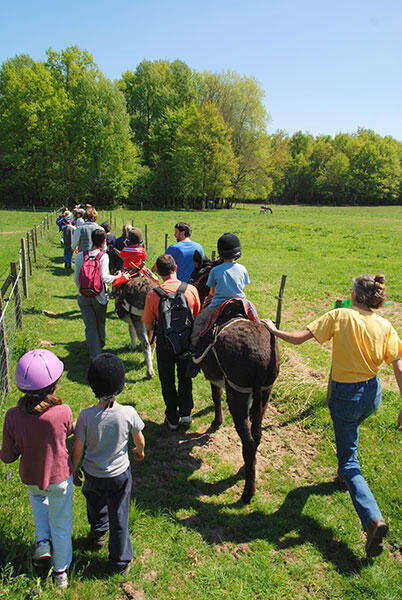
x,y
151,310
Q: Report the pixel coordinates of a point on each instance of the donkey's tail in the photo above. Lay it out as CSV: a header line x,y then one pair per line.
x,y
256,406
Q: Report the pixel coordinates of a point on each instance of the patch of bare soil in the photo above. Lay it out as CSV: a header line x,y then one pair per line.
x,y
277,442
131,592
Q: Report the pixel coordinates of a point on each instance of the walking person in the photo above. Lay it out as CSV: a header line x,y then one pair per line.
x,y
93,306
183,251
82,235
68,231
178,401
226,281
104,429
36,430
361,341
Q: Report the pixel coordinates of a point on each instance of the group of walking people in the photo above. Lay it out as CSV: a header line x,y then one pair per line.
x,y
37,428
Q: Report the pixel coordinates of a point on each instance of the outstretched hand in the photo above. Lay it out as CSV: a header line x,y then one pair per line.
x,y
270,325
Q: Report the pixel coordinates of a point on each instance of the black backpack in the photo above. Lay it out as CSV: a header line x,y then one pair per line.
x,y
175,321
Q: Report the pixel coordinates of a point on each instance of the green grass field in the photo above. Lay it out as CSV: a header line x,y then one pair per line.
x,y
300,537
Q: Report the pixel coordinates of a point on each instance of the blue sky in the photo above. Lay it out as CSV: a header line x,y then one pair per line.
x,y
324,66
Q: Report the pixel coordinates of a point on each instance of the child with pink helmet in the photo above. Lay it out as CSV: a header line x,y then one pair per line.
x,y
36,430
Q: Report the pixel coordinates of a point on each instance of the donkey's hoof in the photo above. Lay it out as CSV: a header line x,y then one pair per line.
x,y
246,497
150,375
215,425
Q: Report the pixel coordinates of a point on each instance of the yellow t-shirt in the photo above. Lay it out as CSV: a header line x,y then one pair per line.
x,y
361,342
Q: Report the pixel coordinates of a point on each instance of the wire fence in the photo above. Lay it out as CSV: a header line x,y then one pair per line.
x,y
11,316
10,320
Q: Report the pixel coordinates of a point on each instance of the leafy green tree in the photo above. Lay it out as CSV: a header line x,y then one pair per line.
x,y
203,157
153,92
333,182
32,113
239,100
105,159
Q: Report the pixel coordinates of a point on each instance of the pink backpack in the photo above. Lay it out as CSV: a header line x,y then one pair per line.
x,y
89,279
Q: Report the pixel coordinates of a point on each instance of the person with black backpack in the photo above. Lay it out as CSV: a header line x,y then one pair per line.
x,y
169,312
92,278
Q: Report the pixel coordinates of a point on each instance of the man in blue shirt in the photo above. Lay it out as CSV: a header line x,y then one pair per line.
x,y
183,251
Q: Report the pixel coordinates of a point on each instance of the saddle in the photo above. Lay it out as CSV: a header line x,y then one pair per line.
x,y
225,313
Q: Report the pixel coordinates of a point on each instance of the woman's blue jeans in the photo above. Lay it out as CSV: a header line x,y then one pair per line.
x,y
350,404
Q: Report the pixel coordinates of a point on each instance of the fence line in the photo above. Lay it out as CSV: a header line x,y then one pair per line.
x,y
11,302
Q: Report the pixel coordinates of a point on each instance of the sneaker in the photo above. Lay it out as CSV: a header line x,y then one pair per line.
x,y
123,569
186,420
41,553
169,426
99,539
340,483
60,579
376,531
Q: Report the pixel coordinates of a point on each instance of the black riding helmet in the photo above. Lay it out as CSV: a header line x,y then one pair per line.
x,y
106,375
229,246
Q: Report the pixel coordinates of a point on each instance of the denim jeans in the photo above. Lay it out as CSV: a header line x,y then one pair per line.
x,y
108,503
94,317
53,516
350,404
68,255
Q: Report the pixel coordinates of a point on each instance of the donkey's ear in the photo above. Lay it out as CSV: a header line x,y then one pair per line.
x,y
197,259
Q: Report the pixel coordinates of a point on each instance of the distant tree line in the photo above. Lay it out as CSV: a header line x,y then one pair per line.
x,y
167,136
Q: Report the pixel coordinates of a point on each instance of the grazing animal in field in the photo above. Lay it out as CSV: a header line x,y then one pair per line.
x,y
245,362
265,210
130,302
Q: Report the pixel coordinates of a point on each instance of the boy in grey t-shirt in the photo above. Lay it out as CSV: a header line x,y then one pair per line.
x,y
105,429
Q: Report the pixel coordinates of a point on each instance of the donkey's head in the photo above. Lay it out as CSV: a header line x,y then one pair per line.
x,y
199,276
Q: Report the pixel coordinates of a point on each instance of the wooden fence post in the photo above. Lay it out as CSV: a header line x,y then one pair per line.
x,y
41,230
166,241
5,386
33,244
24,268
213,255
29,254
280,297
36,235
17,295
146,236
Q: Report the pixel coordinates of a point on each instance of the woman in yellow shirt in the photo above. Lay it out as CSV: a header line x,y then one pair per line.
x,y
361,342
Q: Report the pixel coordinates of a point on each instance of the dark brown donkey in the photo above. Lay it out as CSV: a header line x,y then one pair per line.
x,y
245,362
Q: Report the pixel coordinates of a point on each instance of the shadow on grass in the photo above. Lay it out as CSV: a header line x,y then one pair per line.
x,y
76,362
71,314
171,469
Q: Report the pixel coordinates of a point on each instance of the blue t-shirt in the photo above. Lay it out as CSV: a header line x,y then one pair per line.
x,y
182,253
229,280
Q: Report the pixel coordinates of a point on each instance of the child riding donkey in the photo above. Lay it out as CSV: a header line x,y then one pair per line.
x,y
226,281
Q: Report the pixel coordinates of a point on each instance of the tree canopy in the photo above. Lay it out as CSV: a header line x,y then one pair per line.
x,y
166,135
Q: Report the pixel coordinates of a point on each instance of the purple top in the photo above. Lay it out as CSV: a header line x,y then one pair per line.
x,y
40,440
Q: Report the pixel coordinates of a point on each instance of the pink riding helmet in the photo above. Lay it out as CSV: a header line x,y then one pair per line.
x,y
37,369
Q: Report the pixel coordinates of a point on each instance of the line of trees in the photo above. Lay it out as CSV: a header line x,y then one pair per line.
x,y
165,135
